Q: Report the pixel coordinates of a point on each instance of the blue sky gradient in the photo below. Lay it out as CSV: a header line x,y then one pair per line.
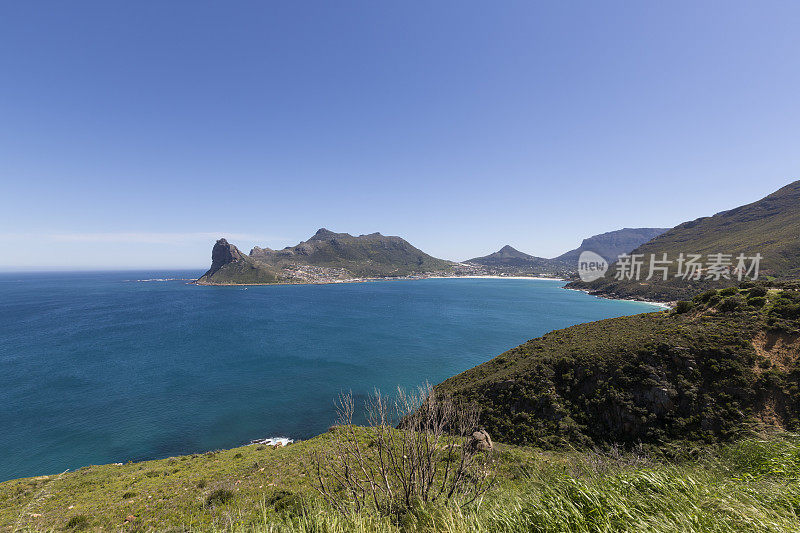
x,y
133,134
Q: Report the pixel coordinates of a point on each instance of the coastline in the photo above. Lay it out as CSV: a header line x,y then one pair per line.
x,y
366,280
655,303
285,440
494,277
664,305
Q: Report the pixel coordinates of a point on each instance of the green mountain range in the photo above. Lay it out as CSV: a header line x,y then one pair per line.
x,y
769,227
325,256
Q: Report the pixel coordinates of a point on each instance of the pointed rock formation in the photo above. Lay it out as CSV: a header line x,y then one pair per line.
x,y
230,266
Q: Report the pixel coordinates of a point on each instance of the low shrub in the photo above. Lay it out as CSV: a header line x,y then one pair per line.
x,y
731,303
78,522
286,501
757,292
219,497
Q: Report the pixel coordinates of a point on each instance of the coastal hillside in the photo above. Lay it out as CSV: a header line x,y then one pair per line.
x,y
770,227
230,266
715,368
326,256
744,486
612,244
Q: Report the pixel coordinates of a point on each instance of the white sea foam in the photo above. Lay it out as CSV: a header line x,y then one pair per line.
x,y
272,441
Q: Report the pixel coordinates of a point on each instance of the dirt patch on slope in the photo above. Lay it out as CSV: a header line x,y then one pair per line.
x,y
780,349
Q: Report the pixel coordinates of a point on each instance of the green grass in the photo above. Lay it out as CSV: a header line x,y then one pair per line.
x,y
751,485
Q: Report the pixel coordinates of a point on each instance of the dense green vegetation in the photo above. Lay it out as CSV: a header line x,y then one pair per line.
x,y
718,367
770,226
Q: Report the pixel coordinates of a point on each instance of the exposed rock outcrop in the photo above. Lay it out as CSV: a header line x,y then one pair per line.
x,y
481,440
229,266
222,254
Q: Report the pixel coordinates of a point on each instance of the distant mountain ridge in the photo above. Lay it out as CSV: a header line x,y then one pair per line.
x,y
770,227
609,245
509,256
325,256
612,244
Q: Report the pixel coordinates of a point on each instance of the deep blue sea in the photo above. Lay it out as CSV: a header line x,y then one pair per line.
x,y
98,367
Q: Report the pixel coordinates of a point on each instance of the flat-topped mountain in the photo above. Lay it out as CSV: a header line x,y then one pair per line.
x,y
770,227
326,256
612,244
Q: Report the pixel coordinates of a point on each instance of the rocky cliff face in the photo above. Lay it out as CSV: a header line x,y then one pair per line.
x,y
612,244
222,254
230,266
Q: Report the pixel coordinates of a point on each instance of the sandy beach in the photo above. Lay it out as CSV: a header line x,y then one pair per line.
x,y
494,277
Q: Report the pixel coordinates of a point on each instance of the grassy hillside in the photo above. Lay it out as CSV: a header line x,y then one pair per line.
x,y
714,369
370,255
747,486
770,226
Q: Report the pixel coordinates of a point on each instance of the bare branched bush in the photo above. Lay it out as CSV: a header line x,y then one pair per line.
x,y
416,449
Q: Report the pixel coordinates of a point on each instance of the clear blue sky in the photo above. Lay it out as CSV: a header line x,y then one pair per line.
x,y
132,134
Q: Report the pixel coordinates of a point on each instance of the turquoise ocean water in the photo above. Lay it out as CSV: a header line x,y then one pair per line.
x,y
99,367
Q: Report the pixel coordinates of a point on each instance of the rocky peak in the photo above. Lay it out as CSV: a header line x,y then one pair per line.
x,y
222,254
324,234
